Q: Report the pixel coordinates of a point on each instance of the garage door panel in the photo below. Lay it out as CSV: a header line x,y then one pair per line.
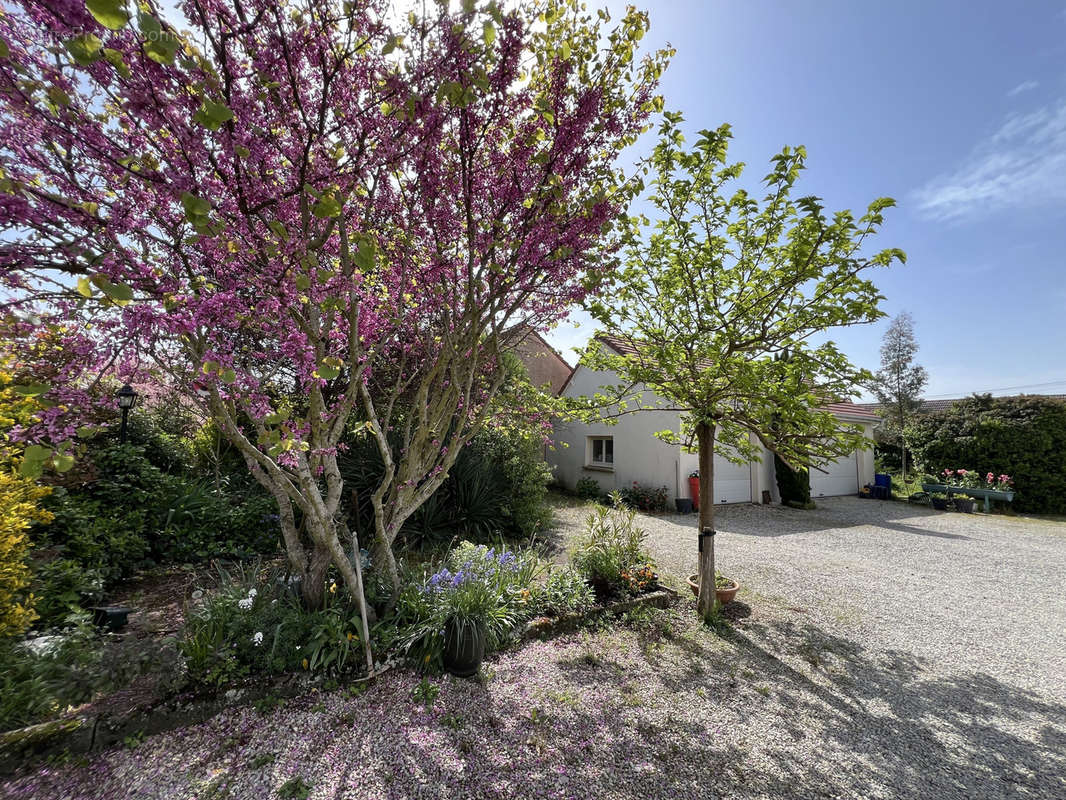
x,y
840,478
732,482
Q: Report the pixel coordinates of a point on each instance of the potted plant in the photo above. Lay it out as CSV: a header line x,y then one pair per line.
x,y
725,589
939,500
464,645
963,503
467,604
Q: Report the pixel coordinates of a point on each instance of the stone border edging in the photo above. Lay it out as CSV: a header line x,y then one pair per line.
x,y
544,627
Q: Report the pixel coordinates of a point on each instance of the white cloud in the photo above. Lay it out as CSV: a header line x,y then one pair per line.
x,y
1023,164
1024,86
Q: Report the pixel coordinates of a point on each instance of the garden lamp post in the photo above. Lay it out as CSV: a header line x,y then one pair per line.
x,y
127,399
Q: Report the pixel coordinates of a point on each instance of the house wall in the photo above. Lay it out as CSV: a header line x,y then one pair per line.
x,y
638,455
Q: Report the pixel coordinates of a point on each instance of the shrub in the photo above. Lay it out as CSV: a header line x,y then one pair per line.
x,y
18,510
497,487
89,546
478,585
564,592
612,545
1024,437
198,523
644,498
588,489
130,513
793,484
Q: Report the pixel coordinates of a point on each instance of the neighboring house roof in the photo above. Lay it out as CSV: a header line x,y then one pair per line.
x,y
854,411
936,406
542,361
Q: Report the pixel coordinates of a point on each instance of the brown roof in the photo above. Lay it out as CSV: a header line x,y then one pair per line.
x,y
542,361
856,410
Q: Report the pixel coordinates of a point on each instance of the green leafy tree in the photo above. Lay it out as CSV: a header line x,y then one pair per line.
x,y
715,288
898,384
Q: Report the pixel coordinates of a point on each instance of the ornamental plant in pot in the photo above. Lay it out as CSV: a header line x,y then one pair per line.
x,y
939,501
470,606
963,503
725,589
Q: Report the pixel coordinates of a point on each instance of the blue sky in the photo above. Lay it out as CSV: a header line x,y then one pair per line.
x,y
957,110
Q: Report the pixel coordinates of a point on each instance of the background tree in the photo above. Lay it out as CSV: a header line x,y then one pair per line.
x,y
715,288
309,218
899,382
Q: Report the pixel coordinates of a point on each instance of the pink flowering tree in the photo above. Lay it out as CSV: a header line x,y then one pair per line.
x,y
313,218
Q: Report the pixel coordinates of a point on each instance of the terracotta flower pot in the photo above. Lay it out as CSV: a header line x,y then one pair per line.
x,y
725,596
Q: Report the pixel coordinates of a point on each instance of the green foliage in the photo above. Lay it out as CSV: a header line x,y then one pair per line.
x,y
1024,437
793,484
564,592
294,789
129,513
425,692
644,498
588,489
254,624
19,509
498,486
71,666
612,548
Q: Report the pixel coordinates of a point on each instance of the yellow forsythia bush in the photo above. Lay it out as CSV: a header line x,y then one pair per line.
x,y
18,510
19,498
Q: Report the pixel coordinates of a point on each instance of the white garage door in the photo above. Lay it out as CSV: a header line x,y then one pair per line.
x,y
840,478
732,482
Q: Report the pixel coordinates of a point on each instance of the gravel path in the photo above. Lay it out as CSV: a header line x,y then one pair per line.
x,y
937,641
839,686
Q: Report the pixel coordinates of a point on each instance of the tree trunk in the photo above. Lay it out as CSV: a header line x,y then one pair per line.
x,y
383,557
707,597
902,444
313,583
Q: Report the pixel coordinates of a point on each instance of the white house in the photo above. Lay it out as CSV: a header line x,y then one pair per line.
x,y
617,455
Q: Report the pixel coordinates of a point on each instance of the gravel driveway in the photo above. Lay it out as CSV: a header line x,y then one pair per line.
x,y
920,652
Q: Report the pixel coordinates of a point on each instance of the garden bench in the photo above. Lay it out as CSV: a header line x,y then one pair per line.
x,y
986,494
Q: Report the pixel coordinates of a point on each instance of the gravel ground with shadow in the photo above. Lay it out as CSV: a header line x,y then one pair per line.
x,y
929,642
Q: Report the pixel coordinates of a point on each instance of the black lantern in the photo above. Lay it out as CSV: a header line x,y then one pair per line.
x,y
127,399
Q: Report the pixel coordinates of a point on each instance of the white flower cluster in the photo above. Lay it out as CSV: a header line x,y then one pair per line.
x,y
257,639
245,604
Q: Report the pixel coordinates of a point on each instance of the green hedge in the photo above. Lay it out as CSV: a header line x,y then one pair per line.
x,y
1024,437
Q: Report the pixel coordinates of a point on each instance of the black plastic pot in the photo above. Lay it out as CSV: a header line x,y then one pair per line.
x,y
939,503
464,648
112,617
683,505
964,504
